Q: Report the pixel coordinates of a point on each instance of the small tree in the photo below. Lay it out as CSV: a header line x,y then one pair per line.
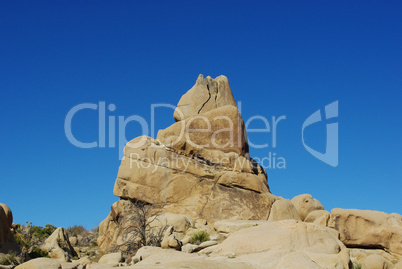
x,y
144,228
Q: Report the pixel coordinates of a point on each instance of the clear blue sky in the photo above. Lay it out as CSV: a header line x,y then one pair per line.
x,y
282,58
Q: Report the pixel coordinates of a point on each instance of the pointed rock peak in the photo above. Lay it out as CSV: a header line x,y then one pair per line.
x,y
207,94
200,79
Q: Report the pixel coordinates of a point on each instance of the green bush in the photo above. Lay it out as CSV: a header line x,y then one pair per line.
x,y
10,259
31,236
40,232
199,237
5,261
38,253
357,265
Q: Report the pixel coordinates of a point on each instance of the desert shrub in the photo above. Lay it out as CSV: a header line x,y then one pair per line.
x,y
31,236
38,253
40,232
22,240
5,261
96,231
84,236
199,237
77,230
10,259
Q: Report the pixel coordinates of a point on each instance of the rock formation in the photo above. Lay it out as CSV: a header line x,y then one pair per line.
x,y
59,246
368,229
7,241
305,203
199,166
197,177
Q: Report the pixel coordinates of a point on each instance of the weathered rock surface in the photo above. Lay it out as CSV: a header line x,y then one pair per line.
x,y
206,95
320,217
198,167
180,223
398,265
70,265
40,263
367,228
168,258
230,226
219,129
358,255
376,262
7,241
305,203
286,244
111,258
283,209
112,230
190,248
58,246
169,240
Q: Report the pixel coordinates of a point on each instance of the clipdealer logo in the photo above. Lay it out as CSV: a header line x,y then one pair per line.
x,y
330,156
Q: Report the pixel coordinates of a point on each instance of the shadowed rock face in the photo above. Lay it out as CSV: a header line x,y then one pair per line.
x,y
7,241
199,166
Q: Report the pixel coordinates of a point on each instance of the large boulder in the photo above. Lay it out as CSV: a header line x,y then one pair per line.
x,y
320,217
283,209
376,262
7,241
59,246
111,258
198,167
40,263
286,244
368,229
305,203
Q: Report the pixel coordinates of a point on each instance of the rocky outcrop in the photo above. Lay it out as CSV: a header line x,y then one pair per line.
x,y
368,229
7,241
199,166
58,246
197,176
